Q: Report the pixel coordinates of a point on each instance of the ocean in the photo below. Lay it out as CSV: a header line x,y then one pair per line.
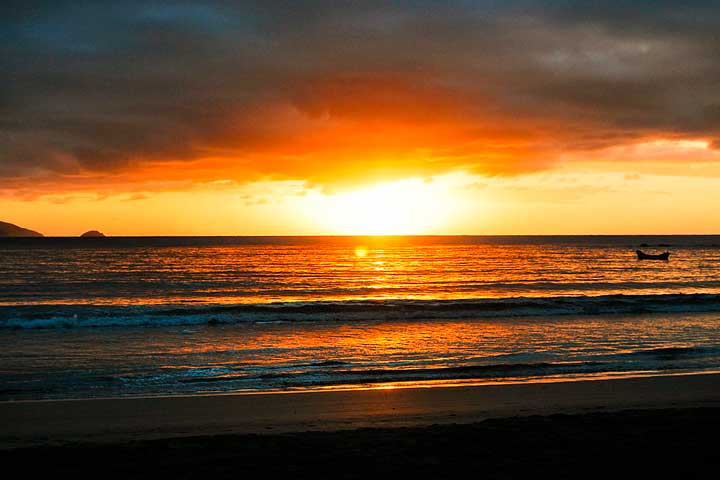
x,y
112,317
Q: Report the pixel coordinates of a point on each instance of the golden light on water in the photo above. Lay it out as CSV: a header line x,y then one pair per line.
x,y
361,251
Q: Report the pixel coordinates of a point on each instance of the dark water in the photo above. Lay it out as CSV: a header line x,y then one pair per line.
x,y
124,316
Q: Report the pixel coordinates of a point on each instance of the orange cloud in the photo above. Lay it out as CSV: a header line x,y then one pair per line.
x,y
138,98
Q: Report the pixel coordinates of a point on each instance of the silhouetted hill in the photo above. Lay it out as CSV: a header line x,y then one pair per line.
x,y
10,230
93,233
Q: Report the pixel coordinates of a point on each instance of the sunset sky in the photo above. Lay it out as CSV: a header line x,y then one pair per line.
x,y
339,117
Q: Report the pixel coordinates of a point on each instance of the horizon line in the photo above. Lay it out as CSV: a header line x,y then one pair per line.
x,y
382,235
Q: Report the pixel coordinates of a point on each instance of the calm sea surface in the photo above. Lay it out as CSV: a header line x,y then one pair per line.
x,y
146,316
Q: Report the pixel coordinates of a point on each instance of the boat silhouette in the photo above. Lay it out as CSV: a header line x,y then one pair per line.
x,y
649,256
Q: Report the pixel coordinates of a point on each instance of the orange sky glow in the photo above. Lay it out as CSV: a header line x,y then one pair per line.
x,y
602,193
214,120
654,186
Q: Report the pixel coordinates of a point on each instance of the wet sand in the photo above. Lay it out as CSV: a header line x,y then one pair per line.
x,y
121,420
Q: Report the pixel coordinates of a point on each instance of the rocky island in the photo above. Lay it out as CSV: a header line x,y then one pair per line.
x,y
93,233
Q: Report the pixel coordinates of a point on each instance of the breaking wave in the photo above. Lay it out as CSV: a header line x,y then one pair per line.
x,y
74,316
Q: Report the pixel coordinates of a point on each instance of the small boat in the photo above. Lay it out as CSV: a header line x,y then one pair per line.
x,y
649,256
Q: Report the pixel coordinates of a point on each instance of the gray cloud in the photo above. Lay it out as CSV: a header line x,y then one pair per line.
x,y
106,86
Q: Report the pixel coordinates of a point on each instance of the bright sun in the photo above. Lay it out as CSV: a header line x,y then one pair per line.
x,y
402,207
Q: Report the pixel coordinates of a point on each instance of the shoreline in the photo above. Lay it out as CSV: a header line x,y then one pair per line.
x,y
398,385
101,421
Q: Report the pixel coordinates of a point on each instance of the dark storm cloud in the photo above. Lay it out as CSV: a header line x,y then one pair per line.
x,y
106,86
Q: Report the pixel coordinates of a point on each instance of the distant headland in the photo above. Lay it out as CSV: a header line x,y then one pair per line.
x,y
10,230
93,233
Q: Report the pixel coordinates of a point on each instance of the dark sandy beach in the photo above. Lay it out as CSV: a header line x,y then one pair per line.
x,y
658,443
638,426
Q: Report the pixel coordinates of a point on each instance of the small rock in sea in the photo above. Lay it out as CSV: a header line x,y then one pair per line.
x,y
93,233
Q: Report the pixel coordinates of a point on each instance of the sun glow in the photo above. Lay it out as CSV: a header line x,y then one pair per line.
x,y
402,207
